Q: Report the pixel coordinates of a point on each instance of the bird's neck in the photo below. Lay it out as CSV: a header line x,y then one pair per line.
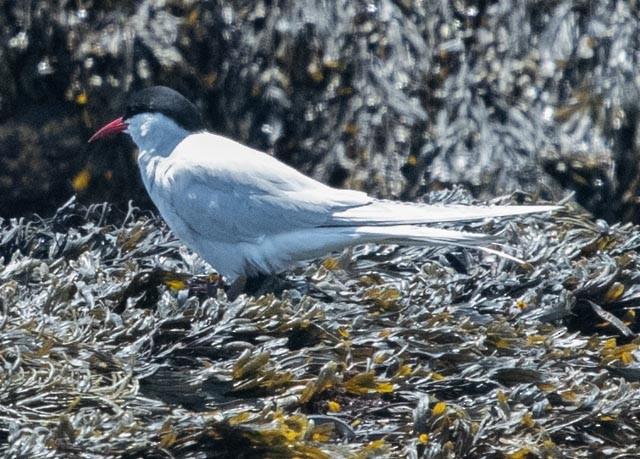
x,y
156,135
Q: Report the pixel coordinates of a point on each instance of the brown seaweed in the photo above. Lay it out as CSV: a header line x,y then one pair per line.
x,y
114,344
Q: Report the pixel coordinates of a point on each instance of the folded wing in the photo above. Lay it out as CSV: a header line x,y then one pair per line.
x,y
242,195
382,212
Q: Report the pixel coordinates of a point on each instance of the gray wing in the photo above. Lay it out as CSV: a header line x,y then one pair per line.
x,y
234,205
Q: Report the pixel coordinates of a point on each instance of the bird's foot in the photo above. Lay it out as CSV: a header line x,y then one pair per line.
x,y
257,285
266,283
236,288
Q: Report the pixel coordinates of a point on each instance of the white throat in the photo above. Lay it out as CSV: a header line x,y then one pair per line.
x,y
155,134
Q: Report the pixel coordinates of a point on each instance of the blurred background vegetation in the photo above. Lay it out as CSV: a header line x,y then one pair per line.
x,y
395,97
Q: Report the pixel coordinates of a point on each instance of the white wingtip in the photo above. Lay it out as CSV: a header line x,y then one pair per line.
x,y
380,213
421,235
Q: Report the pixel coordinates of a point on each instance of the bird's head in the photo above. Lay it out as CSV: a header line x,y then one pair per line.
x,y
159,102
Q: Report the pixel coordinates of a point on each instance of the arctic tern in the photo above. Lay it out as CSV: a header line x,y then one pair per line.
x,y
247,214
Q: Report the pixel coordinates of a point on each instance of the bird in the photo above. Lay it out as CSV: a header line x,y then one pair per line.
x,y
249,214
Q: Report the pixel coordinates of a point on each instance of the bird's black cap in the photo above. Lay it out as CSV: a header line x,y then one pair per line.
x,y
170,103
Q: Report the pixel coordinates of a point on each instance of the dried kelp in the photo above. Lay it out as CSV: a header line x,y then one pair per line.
x,y
116,341
392,97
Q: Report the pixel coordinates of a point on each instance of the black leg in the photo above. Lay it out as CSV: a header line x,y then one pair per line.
x,y
265,283
257,285
236,288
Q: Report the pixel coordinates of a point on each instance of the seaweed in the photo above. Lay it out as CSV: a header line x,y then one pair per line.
x,y
117,342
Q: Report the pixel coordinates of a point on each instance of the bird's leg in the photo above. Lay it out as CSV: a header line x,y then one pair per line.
x,y
237,287
266,283
257,285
